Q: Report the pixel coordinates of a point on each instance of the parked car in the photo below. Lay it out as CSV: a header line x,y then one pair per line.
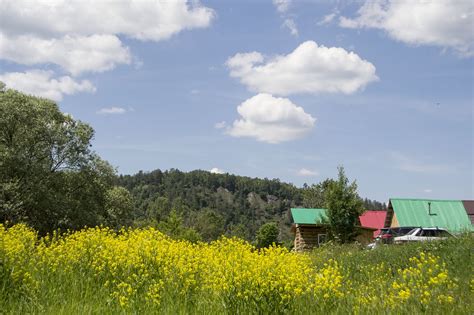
x,y
423,234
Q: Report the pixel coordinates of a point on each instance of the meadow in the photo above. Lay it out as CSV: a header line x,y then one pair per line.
x,y
100,271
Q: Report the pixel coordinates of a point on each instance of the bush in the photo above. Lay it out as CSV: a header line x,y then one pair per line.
x,y
267,235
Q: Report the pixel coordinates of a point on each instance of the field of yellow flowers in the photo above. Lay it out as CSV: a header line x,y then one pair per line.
x,y
100,271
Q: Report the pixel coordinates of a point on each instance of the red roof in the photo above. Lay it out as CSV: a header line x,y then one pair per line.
x,y
374,219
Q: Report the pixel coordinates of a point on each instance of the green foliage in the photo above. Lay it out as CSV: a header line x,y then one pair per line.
x,y
267,235
158,209
173,226
374,205
119,207
212,204
314,195
208,223
49,176
343,206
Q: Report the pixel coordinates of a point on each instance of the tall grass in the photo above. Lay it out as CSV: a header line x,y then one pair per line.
x,y
98,271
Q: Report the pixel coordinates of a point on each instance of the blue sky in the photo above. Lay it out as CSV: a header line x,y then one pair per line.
x,y
277,89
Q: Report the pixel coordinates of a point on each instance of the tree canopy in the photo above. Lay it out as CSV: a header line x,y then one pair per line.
x,y
49,176
344,206
267,235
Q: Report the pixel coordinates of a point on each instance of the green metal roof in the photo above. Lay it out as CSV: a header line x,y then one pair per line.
x,y
308,216
448,214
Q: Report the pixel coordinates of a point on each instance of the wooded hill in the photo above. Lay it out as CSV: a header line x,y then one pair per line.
x,y
216,204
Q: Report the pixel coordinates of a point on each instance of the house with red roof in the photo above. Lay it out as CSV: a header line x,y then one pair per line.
x,y
374,219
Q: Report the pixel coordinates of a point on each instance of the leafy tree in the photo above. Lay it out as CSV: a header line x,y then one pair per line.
x,y
173,227
209,224
49,177
158,209
267,235
314,195
343,206
119,207
238,230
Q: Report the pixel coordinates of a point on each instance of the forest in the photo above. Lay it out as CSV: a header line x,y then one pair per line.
x,y
216,204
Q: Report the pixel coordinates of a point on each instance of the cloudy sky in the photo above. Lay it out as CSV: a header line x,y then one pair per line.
x,y
278,89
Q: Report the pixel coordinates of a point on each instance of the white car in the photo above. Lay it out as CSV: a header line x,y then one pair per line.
x,y
423,234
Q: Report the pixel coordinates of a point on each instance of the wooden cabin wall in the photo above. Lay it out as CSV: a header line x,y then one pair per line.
x,y
306,237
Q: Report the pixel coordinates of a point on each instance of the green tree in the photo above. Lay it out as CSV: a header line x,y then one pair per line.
x,y
119,207
158,209
267,235
173,227
314,195
209,224
343,206
49,177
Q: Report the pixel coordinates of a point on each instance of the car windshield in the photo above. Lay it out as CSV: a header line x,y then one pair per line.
x,y
413,232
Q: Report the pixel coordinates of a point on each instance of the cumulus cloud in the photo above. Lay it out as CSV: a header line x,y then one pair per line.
x,y
307,173
144,20
271,119
75,54
216,170
111,110
291,26
282,5
84,35
41,83
443,23
310,68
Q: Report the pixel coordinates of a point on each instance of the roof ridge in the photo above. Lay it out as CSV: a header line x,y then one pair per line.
x,y
422,199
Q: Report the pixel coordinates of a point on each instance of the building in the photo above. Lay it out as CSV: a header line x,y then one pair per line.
x,y
374,219
449,214
469,206
310,229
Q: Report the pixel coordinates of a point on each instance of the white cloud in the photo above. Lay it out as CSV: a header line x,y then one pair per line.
x,y
83,36
75,54
282,5
327,19
220,125
444,23
216,170
308,69
111,110
144,20
271,119
41,83
291,25
306,172
428,191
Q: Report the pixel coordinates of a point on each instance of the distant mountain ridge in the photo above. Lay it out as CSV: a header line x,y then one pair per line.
x,y
215,204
